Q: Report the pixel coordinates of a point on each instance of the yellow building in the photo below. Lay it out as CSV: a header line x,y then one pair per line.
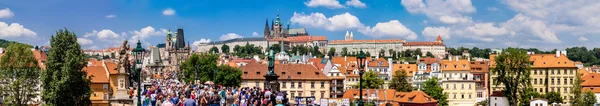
x,y
298,80
458,82
100,83
549,72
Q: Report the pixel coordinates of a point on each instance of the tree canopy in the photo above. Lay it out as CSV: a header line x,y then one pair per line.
x,y
399,81
331,52
513,70
199,66
214,49
228,76
554,97
64,83
370,80
432,88
589,99
247,51
225,49
20,71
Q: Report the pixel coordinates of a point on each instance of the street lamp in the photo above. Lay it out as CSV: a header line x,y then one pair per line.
x,y
360,60
138,54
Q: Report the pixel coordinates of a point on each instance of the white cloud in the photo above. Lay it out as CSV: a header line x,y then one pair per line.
x,y
196,43
332,4
103,34
481,31
522,24
492,9
255,34
393,28
6,13
356,3
84,41
168,12
447,11
454,20
15,30
583,39
319,20
110,16
147,32
433,32
229,36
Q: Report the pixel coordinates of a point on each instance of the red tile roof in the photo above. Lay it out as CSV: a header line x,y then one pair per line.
x,y
256,71
387,95
98,74
424,44
366,41
439,38
375,63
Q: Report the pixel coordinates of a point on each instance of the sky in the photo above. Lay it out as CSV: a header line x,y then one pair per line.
x,y
99,24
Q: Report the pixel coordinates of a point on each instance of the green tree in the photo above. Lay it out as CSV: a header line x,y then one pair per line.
x,y
225,49
344,51
276,48
381,53
370,80
429,54
331,52
316,52
589,99
20,71
63,81
513,70
368,54
214,50
432,88
201,66
417,52
554,97
228,76
576,90
399,81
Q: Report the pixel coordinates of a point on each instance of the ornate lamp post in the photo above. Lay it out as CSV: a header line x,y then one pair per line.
x,y
360,58
138,54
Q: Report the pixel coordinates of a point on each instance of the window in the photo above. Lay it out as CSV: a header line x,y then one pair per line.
x,y
552,83
534,81
322,94
454,86
322,84
105,86
558,81
447,86
565,72
454,96
283,84
293,94
292,85
105,96
469,96
534,72
558,90
557,71
299,84
566,90
312,84
257,84
462,96
299,93
565,81
479,94
312,93
469,86
463,86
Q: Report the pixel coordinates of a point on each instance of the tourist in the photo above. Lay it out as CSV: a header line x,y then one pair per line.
x,y
189,101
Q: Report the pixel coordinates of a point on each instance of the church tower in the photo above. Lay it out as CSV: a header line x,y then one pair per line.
x,y
267,31
277,27
439,39
349,35
169,43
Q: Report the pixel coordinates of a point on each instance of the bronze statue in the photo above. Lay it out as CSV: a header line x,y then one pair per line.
x,y
271,59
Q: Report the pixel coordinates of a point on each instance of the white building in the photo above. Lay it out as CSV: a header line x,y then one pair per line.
x,y
497,99
538,102
427,68
373,47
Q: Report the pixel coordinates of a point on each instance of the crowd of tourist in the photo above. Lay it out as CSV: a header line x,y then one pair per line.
x,y
169,92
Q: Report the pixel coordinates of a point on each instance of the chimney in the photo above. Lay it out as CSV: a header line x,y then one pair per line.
x,y
450,58
418,57
563,52
345,58
469,59
456,58
557,53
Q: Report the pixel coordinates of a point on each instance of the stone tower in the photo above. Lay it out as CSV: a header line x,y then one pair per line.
x,y
169,43
267,30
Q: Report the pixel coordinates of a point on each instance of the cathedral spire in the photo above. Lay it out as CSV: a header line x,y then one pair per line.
x,y
267,31
277,21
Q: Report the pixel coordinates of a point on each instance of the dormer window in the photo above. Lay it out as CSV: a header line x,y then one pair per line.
x,y
283,73
299,73
257,72
245,72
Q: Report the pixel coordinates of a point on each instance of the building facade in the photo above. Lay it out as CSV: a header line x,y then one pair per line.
x,y
458,82
437,48
549,73
298,80
480,70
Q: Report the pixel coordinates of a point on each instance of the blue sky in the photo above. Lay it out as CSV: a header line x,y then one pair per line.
x,y
482,23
